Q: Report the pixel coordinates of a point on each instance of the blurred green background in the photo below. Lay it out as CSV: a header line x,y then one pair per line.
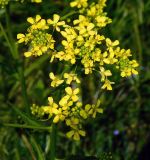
x,y
121,132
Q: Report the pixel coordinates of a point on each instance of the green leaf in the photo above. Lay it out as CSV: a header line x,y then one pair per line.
x,y
37,148
26,117
26,126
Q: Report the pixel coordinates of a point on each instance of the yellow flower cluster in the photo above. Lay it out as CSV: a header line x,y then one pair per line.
x,y
36,1
3,3
79,3
38,39
69,107
83,46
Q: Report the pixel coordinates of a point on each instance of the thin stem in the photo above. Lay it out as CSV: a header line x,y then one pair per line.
x,y
68,15
23,87
27,126
15,54
37,147
28,145
6,38
53,142
10,36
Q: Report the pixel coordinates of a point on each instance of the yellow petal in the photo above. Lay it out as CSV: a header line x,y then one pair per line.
x,y
27,54
87,107
115,43
66,75
99,110
68,90
20,35
75,98
50,99
134,71
64,43
21,40
76,91
63,101
76,136
49,21
108,73
56,18
82,133
44,49
73,4
83,114
90,26
70,133
56,119
52,76
30,20
108,41
37,18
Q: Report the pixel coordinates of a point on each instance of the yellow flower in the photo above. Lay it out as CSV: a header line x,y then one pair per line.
x,y
111,58
65,103
71,77
55,80
27,54
111,44
49,109
55,22
69,33
93,109
104,73
73,121
37,23
72,94
88,64
79,3
59,115
87,31
107,85
21,37
75,134
102,21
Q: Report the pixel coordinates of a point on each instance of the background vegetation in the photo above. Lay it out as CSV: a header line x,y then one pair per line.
x,y
121,132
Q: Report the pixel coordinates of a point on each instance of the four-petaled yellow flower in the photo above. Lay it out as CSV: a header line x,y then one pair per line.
x,y
71,77
72,94
21,37
55,80
55,22
104,73
51,105
107,85
37,23
59,115
75,133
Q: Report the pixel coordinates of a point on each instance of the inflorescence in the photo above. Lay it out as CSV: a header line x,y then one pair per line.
x,y
83,44
3,3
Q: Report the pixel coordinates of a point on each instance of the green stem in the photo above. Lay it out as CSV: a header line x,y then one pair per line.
x,y
37,148
28,145
23,88
53,142
27,126
6,38
68,15
14,51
